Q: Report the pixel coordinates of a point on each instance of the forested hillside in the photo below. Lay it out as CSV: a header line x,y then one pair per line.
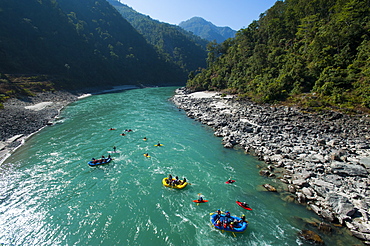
x,y
77,44
312,52
207,30
174,44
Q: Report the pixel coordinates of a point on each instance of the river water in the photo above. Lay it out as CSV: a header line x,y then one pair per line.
x,y
50,196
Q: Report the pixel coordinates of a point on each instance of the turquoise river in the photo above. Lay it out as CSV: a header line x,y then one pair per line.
x,y
50,196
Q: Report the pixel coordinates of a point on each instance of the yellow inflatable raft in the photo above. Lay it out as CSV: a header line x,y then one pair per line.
x,y
178,186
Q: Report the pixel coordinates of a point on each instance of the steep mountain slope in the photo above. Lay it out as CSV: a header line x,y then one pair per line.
x,y
314,52
82,43
174,44
207,30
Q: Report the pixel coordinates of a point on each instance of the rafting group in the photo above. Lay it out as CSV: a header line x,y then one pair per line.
x,y
174,182
101,161
226,222
219,220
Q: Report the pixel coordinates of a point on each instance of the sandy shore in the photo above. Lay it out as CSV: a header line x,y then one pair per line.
x,y
21,118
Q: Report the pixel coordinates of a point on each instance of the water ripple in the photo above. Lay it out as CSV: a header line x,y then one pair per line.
x,y
50,196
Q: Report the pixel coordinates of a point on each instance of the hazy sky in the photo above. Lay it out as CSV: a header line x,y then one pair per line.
x,y
233,13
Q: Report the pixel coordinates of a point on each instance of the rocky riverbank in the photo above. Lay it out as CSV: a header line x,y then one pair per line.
x,y
322,160
20,118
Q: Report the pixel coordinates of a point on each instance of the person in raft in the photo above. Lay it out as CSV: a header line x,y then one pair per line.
x,y
241,220
146,154
218,214
97,161
226,223
183,181
231,226
169,179
218,223
228,216
245,204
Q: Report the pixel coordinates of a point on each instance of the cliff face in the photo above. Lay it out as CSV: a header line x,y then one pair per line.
x,y
323,160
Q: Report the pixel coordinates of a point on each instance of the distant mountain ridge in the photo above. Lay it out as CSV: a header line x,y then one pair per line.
x,y
207,30
175,44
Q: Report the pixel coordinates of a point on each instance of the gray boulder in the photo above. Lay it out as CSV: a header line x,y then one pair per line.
x,y
347,169
341,206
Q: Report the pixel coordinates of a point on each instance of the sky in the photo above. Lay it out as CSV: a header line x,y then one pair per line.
x,y
236,14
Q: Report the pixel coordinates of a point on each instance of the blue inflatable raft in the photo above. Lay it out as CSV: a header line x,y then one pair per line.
x,y
99,162
238,226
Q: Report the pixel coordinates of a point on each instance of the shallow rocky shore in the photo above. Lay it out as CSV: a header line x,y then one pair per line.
x,y
323,160
22,117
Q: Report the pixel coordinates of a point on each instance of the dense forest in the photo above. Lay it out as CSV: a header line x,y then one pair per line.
x,y
68,44
312,52
207,30
174,44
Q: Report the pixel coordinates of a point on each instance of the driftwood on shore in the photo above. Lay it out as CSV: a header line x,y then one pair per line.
x,y
325,158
